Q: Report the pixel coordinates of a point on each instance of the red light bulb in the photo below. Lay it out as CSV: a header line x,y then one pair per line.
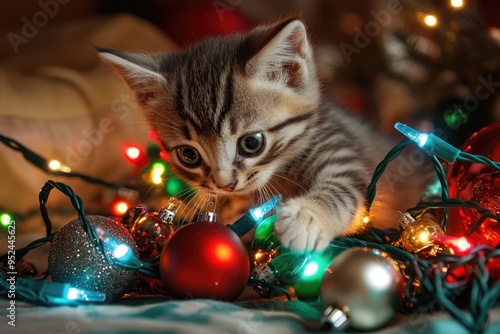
x,y
459,245
133,153
153,134
120,207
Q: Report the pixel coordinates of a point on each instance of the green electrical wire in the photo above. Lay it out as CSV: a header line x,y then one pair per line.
x,y
379,170
467,157
43,164
393,154
430,278
425,278
145,268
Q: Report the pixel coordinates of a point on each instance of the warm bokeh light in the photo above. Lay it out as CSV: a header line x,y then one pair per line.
x,y
54,165
430,20
156,179
457,3
164,155
133,152
120,207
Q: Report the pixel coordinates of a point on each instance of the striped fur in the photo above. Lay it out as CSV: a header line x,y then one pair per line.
x,y
212,94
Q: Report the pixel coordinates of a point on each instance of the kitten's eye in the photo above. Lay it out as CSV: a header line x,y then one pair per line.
x,y
189,156
251,144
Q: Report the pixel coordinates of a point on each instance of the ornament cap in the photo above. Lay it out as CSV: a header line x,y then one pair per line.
x,y
168,212
335,319
405,220
265,273
208,214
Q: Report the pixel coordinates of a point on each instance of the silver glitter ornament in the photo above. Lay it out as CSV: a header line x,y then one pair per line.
x,y
362,289
74,259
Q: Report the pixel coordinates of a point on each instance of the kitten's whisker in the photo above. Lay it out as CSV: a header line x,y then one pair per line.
x,y
186,192
199,201
145,195
288,179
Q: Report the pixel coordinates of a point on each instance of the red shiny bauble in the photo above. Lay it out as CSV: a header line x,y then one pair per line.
x,y
151,232
205,260
480,183
477,182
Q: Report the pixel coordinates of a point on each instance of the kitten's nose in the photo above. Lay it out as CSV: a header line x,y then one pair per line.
x,y
229,187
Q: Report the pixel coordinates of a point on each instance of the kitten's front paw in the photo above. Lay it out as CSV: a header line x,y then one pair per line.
x,y
304,225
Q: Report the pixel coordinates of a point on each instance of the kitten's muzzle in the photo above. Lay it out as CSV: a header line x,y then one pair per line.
x,y
229,187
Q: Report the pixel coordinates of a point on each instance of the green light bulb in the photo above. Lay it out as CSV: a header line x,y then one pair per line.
x,y
310,269
277,264
5,219
175,187
307,284
158,168
264,237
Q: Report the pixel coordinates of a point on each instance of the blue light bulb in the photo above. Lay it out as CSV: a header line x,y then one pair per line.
x,y
417,137
430,143
254,216
261,211
121,252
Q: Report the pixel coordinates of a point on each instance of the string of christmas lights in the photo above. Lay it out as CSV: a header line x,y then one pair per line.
x,y
50,293
427,279
54,167
153,173
459,271
114,252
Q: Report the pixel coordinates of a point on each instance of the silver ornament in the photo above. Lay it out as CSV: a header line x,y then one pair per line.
x,y
362,288
74,259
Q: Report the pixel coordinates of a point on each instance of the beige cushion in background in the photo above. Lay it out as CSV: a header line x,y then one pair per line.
x,y
57,98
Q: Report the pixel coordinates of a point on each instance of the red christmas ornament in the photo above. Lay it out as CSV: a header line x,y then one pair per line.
x,y
480,183
205,260
477,182
151,231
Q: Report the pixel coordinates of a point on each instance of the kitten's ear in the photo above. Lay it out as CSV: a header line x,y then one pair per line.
x,y
283,56
140,71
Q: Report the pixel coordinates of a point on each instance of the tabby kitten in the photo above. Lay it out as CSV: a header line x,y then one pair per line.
x,y
244,114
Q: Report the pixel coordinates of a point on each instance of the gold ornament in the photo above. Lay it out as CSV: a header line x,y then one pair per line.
x,y
261,256
417,234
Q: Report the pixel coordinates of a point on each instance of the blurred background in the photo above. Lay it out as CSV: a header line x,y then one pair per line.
x,y
432,64
386,59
